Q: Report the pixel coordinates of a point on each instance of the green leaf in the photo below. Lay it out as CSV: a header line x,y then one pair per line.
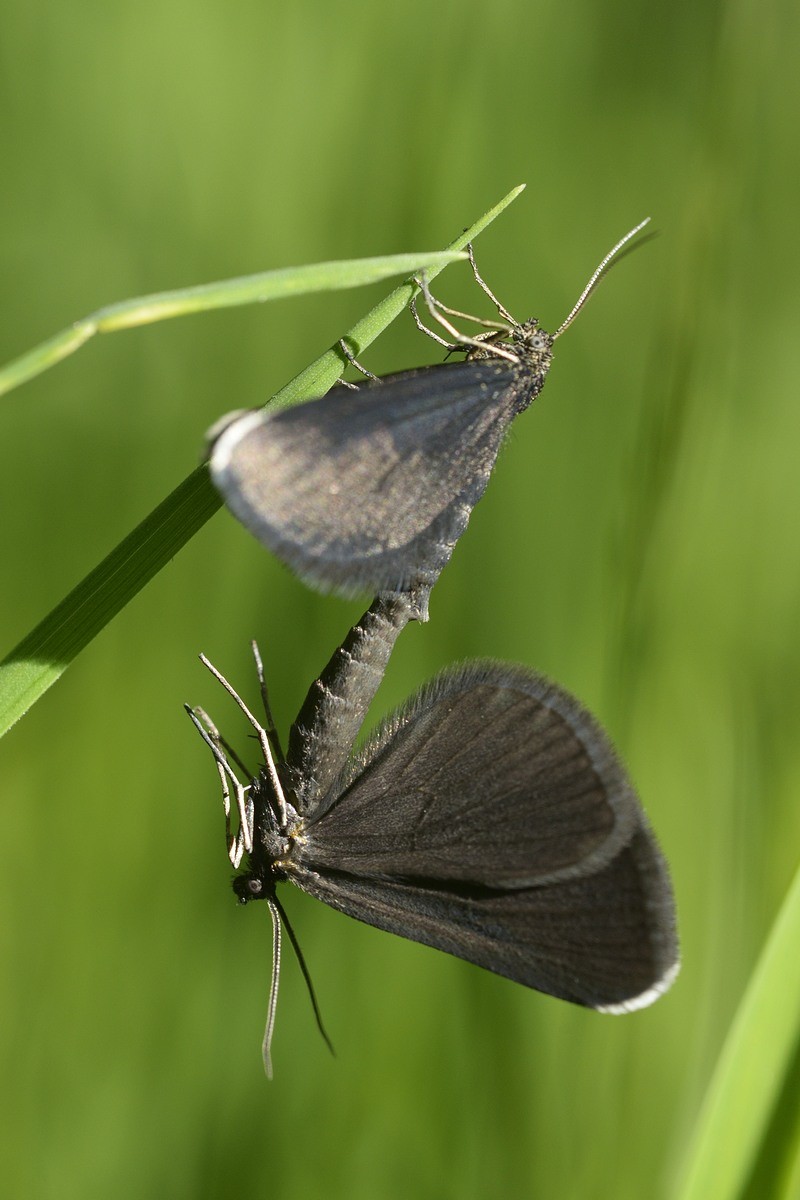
x,y
747,1081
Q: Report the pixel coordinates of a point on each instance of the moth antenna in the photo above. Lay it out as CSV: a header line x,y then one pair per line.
x,y
596,275
301,960
273,989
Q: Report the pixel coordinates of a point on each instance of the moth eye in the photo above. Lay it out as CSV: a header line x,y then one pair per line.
x,y
255,887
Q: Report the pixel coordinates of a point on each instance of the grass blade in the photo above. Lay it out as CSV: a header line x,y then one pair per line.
x,y
43,655
228,293
747,1081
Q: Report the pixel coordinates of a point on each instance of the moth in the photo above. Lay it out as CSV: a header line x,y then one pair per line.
x,y
489,817
369,490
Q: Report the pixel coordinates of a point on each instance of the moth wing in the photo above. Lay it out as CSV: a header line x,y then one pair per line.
x,y
492,819
605,940
491,775
369,489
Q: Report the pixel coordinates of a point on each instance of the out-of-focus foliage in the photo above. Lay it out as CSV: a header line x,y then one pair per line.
x,y
638,542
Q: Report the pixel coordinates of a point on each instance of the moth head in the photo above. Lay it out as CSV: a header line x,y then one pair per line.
x,y
249,887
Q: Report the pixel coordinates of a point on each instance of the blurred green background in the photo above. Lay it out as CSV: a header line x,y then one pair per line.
x,y
639,542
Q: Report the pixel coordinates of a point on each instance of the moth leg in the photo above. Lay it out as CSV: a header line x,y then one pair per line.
x,y
501,308
351,358
264,742
494,329
238,846
423,328
437,311
506,326
220,741
272,732
243,840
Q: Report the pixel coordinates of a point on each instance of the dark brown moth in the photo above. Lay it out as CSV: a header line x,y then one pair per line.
x,y
488,817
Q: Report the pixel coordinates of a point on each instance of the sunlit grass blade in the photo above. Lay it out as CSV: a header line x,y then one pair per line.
x,y
41,657
749,1075
228,293
324,372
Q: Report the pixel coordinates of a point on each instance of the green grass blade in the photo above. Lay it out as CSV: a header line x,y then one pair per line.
x,y
323,373
42,656
247,289
748,1078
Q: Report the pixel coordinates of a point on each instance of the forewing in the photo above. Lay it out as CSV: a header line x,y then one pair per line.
x,y
491,775
605,940
369,489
